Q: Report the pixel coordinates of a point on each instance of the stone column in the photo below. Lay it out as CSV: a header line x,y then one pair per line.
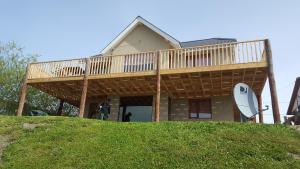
x,y
164,107
114,108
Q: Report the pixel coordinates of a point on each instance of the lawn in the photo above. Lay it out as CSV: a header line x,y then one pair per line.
x,y
61,142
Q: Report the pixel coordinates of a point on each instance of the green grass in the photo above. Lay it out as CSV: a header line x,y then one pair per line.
x,y
82,143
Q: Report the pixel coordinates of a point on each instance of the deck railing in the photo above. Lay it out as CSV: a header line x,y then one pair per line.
x,y
183,58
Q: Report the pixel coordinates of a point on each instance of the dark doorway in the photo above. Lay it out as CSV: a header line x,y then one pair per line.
x,y
139,106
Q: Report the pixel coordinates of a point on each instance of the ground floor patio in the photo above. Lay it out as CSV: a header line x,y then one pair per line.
x,y
142,108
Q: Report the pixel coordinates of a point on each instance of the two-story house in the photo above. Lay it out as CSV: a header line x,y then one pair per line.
x,y
149,73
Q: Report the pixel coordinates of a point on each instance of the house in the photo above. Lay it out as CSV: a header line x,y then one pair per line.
x,y
294,106
149,73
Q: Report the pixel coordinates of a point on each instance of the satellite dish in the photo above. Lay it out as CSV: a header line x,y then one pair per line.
x,y
245,100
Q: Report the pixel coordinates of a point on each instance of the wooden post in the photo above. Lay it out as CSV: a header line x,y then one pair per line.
x,y
60,108
84,89
272,84
23,93
157,101
260,113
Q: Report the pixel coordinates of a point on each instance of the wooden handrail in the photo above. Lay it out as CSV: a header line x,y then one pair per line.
x,y
252,51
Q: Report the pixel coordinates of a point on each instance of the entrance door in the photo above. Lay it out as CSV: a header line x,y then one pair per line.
x,y
140,108
200,109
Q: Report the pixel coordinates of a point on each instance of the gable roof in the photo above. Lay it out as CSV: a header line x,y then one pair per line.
x,y
139,20
206,42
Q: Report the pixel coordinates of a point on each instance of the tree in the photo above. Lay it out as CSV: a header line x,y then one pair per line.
x,y
13,64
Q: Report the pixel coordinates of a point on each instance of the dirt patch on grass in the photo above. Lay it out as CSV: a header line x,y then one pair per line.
x,y
31,126
296,127
295,156
4,142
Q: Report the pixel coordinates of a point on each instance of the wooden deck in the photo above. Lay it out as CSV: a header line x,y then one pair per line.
x,y
196,72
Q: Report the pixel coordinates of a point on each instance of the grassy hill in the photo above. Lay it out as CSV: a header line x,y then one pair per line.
x,y
58,142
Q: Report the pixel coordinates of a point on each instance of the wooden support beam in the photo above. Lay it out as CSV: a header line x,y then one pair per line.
x,y
157,101
60,108
23,93
260,113
84,88
272,83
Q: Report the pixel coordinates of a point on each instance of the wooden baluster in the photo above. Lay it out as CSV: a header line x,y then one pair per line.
x,y
104,65
125,63
155,60
120,59
146,61
225,54
206,56
62,65
178,58
111,64
215,55
61,68
252,58
95,60
129,63
72,68
231,53
107,65
202,57
92,66
192,57
255,48
135,62
211,55
100,65
260,51
228,54
243,53
175,59
99,61
68,68
142,62
237,48
247,51
150,61
171,59
114,64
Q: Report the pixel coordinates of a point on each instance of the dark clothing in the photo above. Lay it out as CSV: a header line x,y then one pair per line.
x,y
104,111
127,117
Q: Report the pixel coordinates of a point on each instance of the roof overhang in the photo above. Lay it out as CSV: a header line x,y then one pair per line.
x,y
139,20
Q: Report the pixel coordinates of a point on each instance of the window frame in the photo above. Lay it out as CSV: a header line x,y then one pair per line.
x,y
198,108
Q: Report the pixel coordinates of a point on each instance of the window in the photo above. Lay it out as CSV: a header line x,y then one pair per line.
x,y
200,109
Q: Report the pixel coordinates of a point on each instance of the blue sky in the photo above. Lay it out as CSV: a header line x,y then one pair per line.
x,y
62,29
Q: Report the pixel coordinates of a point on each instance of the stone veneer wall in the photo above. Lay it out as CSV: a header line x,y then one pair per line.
x,y
222,109
114,107
164,107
